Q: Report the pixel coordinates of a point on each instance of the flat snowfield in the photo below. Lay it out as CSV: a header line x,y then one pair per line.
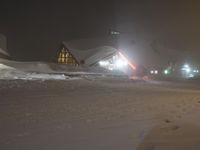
x,y
94,114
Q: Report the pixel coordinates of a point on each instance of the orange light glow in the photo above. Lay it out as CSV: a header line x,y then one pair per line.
x,y
129,63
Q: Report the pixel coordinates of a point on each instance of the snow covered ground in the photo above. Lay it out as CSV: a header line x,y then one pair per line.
x,y
49,71
9,73
100,114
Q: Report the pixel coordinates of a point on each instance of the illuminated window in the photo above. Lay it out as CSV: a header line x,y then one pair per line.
x,y
65,57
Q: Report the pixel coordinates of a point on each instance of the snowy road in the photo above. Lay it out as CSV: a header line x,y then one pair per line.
x,y
98,115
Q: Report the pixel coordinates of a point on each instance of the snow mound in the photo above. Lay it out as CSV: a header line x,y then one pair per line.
x,y
54,69
10,73
40,76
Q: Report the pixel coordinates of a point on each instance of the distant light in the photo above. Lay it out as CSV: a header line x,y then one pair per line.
x,y
166,71
110,68
103,63
186,66
187,70
196,71
154,72
115,32
120,63
191,76
126,59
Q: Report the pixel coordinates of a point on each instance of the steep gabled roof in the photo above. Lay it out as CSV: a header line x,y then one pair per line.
x,y
100,53
90,50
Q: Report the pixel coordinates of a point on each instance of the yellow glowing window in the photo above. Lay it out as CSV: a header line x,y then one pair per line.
x,y
65,57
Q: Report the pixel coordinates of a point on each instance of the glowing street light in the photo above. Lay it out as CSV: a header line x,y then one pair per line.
x,y
166,71
121,63
186,66
187,70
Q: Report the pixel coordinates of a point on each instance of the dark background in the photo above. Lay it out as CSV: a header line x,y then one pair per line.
x,y
35,30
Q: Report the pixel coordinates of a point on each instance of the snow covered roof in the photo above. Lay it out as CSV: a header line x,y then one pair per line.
x,y
90,50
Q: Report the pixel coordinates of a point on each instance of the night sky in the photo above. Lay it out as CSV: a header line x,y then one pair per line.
x,y
35,30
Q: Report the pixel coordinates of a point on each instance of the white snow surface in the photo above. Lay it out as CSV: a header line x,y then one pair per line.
x,y
47,71
98,115
7,72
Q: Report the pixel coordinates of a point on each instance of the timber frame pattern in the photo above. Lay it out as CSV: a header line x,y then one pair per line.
x,y
65,57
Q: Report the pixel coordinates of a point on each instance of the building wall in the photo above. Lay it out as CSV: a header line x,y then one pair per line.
x,y
4,56
3,47
3,42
